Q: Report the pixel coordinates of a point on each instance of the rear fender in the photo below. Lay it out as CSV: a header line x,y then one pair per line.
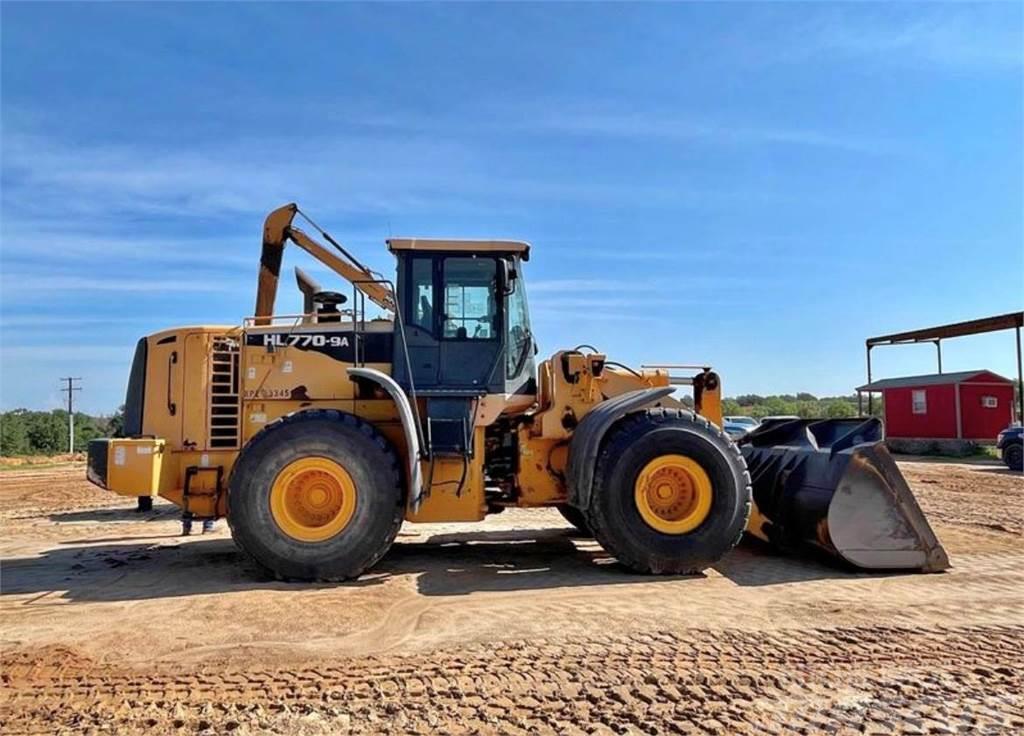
x,y
586,439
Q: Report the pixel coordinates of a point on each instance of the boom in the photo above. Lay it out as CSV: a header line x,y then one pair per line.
x,y
277,231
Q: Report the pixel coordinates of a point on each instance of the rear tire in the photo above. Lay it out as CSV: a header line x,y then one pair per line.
x,y
369,503
575,517
1013,456
635,445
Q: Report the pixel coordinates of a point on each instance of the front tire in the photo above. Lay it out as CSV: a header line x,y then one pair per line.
x,y
671,493
575,517
316,496
1013,456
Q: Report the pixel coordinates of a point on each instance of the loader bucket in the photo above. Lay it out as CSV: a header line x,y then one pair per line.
x,y
830,484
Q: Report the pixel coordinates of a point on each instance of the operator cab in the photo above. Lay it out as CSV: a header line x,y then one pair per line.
x,y
464,317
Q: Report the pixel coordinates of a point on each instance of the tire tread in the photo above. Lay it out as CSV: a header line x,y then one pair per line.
x,y
390,466
620,437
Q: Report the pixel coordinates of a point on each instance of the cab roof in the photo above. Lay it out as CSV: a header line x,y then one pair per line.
x,y
464,246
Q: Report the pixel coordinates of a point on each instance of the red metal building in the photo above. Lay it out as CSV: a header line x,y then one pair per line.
x,y
969,405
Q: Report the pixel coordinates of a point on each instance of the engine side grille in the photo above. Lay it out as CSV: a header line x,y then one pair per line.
x,y
224,405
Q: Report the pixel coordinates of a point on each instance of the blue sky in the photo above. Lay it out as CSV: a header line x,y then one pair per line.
x,y
756,186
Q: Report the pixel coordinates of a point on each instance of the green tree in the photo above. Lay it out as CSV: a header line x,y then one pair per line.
x,y
115,423
48,432
13,433
839,409
731,407
24,432
806,409
87,428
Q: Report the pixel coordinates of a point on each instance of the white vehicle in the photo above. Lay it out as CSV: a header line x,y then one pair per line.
x,y
748,422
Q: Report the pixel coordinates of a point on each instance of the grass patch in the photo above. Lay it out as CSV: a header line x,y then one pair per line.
x,y
23,467
989,452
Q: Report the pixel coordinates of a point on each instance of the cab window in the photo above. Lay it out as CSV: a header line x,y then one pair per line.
x,y
422,293
470,307
519,339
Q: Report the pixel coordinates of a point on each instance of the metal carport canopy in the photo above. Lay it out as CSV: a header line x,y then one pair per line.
x,y
1008,321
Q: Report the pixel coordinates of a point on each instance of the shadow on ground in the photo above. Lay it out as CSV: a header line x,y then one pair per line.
x,y
442,565
996,470
165,511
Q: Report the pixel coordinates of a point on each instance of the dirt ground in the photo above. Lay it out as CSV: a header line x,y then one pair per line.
x,y
111,623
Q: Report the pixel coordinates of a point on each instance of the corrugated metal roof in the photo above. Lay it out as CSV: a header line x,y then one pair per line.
x,y
930,379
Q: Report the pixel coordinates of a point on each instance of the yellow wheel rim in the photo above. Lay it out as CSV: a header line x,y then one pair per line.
x,y
313,499
673,494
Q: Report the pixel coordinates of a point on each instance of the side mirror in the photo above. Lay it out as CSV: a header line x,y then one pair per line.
x,y
508,277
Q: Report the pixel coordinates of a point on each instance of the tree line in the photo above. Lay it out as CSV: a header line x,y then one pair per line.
x,y
803,405
25,432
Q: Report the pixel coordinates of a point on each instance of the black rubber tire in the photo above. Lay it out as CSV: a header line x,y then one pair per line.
x,y
1013,456
144,504
355,445
575,517
615,519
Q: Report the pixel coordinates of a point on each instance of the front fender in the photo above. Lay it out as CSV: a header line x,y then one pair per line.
x,y
586,439
409,425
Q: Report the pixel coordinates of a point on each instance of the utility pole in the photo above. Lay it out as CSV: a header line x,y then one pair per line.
x,y
70,391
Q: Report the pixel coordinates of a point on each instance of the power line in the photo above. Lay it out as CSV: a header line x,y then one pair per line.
x,y
70,391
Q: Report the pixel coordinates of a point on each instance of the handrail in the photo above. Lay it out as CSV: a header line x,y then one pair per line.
x,y
297,319
359,298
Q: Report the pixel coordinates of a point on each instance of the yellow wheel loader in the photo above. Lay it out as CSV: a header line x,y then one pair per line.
x,y
317,434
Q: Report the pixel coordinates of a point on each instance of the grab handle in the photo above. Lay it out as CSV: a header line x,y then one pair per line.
x,y
172,408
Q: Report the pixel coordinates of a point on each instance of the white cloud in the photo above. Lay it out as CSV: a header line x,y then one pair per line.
x,y
32,240
968,37
560,316
651,123
246,177
21,283
635,289
627,300
69,354
597,302
71,321
560,286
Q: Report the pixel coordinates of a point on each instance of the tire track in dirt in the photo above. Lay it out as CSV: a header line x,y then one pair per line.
x,y
872,679
985,589
513,630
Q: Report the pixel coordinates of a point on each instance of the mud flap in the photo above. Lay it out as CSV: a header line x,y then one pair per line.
x,y
832,485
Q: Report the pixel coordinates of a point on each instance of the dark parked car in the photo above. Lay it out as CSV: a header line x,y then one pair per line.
x,y
1011,444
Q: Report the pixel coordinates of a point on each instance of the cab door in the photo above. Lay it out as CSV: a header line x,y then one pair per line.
x,y
420,276
471,324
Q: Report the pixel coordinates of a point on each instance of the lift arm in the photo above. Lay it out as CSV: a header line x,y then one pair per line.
x,y
277,231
